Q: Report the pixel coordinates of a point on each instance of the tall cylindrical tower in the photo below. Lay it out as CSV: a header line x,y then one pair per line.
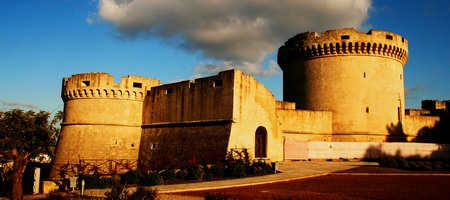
x,y
358,76
102,123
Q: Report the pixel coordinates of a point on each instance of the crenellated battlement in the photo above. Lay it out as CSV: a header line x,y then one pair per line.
x,y
311,45
101,85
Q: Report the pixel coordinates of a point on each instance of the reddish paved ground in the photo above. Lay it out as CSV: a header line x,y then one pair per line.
x,y
345,187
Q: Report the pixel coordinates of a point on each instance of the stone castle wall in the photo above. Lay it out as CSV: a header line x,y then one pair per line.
x,y
102,119
343,93
420,128
305,125
180,120
254,113
207,117
357,76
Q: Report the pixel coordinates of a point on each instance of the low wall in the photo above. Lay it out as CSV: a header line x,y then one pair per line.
x,y
296,150
415,125
305,121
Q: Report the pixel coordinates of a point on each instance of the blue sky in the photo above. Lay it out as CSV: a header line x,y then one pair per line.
x,y
42,41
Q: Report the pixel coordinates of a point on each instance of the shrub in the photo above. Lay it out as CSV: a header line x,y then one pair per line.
x,y
260,168
208,175
143,193
96,181
437,166
396,161
425,166
241,154
257,170
115,179
236,169
217,170
168,175
117,192
151,179
401,161
414,166
182,174
195,173
132,177
446,166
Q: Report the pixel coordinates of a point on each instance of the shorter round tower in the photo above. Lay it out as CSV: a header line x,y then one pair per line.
x,y
102,122
358,76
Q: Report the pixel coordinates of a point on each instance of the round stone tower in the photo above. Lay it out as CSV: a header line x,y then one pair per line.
x,y
102,123
358,76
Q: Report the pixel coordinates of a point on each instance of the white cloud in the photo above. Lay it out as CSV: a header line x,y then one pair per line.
x,y
247,67
89,20
232,31
410,92
16,104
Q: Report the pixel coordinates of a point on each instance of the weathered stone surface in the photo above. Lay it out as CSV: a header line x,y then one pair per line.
x,y
339,86
358,76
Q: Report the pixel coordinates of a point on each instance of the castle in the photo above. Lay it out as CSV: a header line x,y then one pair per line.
x,y
343,97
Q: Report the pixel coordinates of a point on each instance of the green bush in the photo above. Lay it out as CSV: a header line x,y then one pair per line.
x,y
132,177
195,173
236,169
151,179
117,192
425,166
217,170
182,174
260,168
143,193
168,175
396,161
446,166
437,166
208,175
414,166
241,154
421,165
96,181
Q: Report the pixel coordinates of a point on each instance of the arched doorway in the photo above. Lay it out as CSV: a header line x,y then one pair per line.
x,y
261,142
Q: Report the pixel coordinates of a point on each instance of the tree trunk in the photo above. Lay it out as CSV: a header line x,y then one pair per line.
x,y
20,162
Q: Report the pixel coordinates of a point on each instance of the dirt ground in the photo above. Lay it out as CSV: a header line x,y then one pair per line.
x,y
375,183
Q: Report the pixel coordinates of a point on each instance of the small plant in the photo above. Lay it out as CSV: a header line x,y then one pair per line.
x,y
396,161
132,177
182,174
260,168
437,166
236,169
96,181
151,179
168,174
142,193
217,170
195,173
239,155
208,175
117,192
